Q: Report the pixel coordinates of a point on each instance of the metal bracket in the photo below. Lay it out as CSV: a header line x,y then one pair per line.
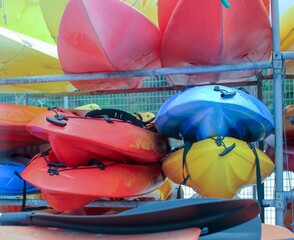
x,y
280,202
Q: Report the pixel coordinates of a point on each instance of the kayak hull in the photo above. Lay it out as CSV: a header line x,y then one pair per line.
x,y
213,174
71,188
206,111
92,40
201,33
83,139
13,121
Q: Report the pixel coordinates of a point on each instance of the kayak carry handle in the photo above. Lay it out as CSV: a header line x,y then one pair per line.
x,y
227,150
56,164
116,114
56,122
224,93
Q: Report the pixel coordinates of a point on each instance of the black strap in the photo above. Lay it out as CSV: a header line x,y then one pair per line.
x,y
224,92
117,114
258,175
188,145
24,191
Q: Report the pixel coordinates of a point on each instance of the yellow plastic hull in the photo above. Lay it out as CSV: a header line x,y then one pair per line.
x,y
22,56
212,175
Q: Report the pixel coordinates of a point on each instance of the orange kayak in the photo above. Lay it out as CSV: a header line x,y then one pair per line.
x,y
43,233
13,121
205,33
67,188
94,36
79,139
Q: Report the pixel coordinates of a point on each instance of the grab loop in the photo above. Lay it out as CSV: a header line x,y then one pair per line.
x,y
54,167
224,93
56,122
96,162
115,114
57,119
219,142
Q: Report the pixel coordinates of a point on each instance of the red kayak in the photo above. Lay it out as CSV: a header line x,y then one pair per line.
x,y
66,188
76,140
13,121
106,36
206,33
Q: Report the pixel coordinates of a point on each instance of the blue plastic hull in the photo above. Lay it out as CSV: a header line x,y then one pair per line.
x,y
10,183
206,111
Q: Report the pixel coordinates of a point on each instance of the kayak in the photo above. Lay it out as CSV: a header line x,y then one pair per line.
x,y
148,8
288,152
165,10
191,113
13,121
24,17
200,33
44,233
92,40
106,135
38,57
286,30
10,180
66,188
217,167
53,10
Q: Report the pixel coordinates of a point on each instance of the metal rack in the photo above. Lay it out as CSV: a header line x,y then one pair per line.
x,y
276,64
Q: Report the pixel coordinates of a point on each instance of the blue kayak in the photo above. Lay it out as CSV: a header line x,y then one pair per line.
x,y
201,112
10,182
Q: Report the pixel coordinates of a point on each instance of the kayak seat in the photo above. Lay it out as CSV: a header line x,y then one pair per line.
x,y
116,114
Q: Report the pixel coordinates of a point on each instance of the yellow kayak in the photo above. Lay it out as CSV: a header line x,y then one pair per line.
x,y
22,56
218,167
25,17
287,35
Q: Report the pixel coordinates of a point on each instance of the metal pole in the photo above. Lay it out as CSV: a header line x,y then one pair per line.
x,y
65,102
287,55
277,68
137,73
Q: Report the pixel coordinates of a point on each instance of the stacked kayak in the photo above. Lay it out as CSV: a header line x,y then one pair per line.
x,y
92,40
107,153
219,126
13,121
200,112
217,166
286,30
26,41
39,57
205,33
66,188
77,140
